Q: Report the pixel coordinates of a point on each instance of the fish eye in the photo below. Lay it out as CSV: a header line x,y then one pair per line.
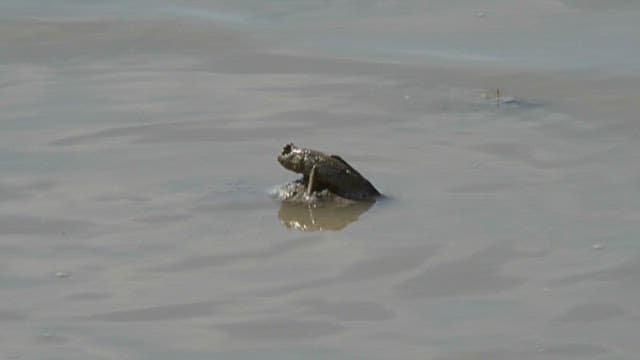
x,y
286,149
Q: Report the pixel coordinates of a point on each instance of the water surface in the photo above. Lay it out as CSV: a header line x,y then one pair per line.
x,y
138,145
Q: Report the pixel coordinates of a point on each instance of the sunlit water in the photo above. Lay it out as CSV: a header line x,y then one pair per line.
x,y
138,143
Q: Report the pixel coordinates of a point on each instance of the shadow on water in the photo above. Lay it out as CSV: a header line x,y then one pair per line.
x,y
332,217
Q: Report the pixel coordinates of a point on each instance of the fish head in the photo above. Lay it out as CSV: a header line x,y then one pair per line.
x,y
292,158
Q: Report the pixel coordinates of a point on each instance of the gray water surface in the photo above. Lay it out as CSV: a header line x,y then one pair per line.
x,y
138,143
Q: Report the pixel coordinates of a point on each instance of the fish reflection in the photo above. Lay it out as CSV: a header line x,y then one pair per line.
x,y
306,217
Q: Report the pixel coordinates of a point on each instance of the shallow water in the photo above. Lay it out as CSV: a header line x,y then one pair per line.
x,y
138,148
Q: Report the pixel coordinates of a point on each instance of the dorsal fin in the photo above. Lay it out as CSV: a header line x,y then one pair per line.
x,y
345,163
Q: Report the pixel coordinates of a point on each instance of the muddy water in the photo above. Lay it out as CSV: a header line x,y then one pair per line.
x,y
138,151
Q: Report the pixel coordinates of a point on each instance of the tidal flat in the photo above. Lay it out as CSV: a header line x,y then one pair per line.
x,y
138,150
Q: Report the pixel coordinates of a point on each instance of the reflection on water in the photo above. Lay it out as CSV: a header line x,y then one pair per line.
x,y
328,217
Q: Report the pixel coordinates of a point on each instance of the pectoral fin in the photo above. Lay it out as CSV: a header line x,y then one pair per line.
x,y
313,182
